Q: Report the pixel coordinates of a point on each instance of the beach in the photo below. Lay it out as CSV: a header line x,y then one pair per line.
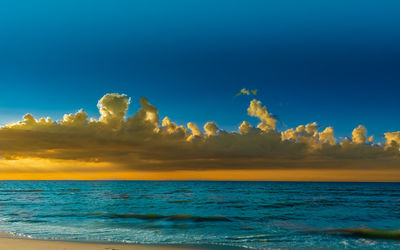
x,y
11,242
195,214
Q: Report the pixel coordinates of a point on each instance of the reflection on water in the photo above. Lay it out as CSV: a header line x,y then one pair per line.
x,y
237,214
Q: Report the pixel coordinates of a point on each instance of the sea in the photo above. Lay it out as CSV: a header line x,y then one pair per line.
x,y
206,214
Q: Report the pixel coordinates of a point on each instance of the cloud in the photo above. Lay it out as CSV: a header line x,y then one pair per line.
x,y
243,92
247,92
359,135
245,128
210,128
79,119
267,123
393,139
309,135
113,108
145,120
143,142
326,136
371,139
195,131
172,128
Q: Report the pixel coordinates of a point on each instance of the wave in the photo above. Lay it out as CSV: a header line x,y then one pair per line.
x,y
22,191
250,237
283,204
393,234
230,202
27,220
182,201
177,217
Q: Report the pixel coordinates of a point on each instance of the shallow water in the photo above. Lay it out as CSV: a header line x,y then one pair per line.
x,y
237,214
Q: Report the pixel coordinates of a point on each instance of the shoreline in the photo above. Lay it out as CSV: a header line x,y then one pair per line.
x,y
16,242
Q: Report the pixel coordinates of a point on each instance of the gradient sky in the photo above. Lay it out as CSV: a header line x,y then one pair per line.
x,y
333,62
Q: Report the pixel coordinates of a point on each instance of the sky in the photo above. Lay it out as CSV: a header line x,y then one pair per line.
x,y
331,62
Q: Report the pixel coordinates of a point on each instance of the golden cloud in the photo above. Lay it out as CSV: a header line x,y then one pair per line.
x,y
142,142
359,135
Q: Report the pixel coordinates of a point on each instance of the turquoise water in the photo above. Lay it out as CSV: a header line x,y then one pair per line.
x,y
260,215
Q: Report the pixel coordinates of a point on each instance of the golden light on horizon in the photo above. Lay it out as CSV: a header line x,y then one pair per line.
x,y
39,169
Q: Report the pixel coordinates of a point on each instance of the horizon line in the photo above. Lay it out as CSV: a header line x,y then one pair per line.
x,y
204,180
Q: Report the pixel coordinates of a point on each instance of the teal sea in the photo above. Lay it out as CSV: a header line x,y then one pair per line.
x,y
255,215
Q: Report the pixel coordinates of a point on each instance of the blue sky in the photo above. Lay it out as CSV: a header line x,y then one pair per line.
x,y
333,62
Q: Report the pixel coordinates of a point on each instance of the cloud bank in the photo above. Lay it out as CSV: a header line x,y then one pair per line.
x,y
144,142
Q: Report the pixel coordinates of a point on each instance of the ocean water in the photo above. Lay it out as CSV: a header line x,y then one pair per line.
x,y
259,215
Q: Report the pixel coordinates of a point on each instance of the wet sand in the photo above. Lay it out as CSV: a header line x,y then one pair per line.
x,y
11,242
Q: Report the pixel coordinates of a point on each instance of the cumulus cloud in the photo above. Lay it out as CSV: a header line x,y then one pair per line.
x,y
309,135
210,128
393,139
195,131
359,135
113,108
371,139
171,127
245,128
326,136
79,119
268,123
144,142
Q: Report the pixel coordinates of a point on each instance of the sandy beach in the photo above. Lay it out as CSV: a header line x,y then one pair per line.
x,y
11,242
